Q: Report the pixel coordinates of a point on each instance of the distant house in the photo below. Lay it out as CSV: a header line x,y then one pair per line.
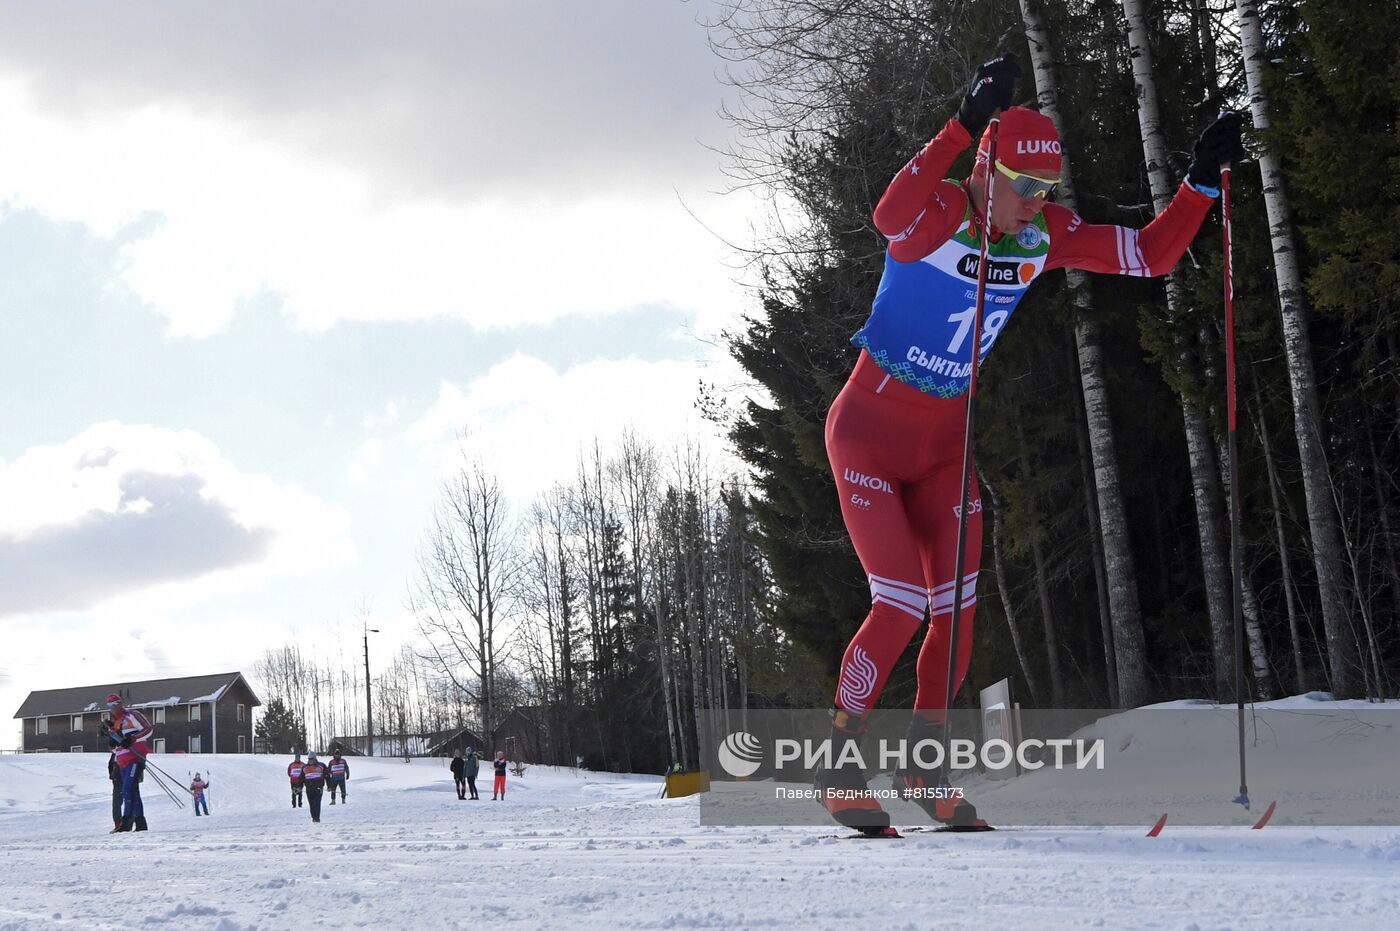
x,y
192,714
436,743
524,734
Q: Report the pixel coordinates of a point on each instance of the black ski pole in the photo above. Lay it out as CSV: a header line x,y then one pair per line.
x,y
961,554
1236,548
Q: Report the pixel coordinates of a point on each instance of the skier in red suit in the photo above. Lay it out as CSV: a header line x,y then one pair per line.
x,y
895,433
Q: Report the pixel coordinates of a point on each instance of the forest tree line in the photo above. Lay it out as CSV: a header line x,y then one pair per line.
x,y
1101,442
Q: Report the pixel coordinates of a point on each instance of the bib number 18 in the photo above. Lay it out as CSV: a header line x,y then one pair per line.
x,y
991,326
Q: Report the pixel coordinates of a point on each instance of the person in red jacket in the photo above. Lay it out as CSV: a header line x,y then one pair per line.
x,y
895,433
128,734
336,774
294,774
313,779
498,788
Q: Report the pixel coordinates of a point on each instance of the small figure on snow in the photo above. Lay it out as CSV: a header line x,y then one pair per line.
x,y
336,774
473,761
197,787
114,773
294,774
498,788
459,774
313,779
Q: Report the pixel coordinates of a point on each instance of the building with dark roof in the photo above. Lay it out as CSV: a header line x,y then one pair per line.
x,y
191,714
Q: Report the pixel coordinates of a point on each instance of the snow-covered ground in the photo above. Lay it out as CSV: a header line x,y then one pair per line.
x,y
585,850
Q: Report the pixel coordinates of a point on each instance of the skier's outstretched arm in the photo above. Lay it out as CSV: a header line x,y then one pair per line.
x,y
1156,248
1120,250
920,209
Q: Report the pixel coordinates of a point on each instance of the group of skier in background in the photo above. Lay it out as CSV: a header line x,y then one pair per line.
x,y
129,732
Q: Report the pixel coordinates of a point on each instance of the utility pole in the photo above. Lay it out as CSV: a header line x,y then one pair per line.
x,y
369,704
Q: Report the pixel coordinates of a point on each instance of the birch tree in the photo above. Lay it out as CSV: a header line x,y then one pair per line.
x,y
1323,522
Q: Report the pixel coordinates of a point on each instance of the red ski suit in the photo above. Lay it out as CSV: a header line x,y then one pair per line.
x,y
896,451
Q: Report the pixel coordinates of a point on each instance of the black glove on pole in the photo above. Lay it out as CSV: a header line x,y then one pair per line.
x,y
993,86
1218,145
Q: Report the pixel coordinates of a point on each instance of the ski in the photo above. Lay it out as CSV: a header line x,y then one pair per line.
x,y
884,834
950,829
1257,826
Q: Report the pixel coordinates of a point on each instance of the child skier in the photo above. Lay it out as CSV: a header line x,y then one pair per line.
x,y
197,787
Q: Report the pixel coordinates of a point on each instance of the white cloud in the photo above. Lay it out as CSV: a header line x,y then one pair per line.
x,y
241,214
127,511
528,422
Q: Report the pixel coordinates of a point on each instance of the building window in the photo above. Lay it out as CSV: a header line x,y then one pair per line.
x,y
77,722
158,745
242,742
159,716
41,726
195,744
194,712
76,749
240,712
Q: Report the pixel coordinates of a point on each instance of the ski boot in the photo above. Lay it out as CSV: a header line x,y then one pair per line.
x,y
122,826
931,789
140,824
842,788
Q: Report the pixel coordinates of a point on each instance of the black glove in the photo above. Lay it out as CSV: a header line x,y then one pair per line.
x,y
126,741
993,86
1220,143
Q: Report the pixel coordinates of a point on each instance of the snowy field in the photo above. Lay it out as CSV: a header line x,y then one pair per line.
x,y
585,850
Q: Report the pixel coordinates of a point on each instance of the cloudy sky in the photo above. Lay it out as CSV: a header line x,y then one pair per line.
x,y
260,264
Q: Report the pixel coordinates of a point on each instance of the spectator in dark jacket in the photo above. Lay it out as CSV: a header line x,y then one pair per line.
x,y
459,774
473,766
114,773
313,779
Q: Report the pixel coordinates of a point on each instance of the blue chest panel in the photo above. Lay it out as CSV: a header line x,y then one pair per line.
x,y
920,327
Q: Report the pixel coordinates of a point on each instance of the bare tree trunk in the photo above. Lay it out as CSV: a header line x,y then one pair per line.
x,y
639,474
1124,650
1295,636
1323,520
1205,479
1249,609
1004,590
1378,680
1383,514
1101,585
1047,617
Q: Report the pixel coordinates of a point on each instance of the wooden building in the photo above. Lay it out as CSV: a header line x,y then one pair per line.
x,y
192,714
437,743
